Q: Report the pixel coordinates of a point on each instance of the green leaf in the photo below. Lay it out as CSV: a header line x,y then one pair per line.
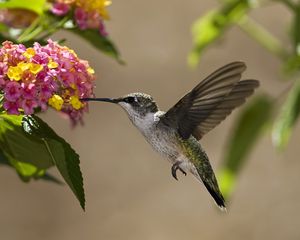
x,y
248,128
46,176
3,160
31,147
103,44
287,118
17,146
36,6
212,26
64,157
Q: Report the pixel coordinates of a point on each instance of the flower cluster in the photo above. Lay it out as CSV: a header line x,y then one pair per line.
x,y
32,79
88,14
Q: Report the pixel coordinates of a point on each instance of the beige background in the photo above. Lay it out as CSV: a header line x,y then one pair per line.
x,y
129,189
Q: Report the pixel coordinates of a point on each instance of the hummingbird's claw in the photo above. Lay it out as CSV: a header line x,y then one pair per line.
x,y
174,169
182,171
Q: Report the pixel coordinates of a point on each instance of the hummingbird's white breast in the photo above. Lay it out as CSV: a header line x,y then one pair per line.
x,y
161,137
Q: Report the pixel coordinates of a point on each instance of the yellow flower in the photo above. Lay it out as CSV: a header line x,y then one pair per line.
x,y
24,66
52,64
35,68
95,5
56,102
90,70
73,85
29,53
75,102
14,73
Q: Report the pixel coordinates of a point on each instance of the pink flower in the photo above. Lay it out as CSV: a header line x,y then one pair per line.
x,y
87,14
29,91
33,79
2,81
102,29
28,106
40,58
81,18
46,90
12,91
60,9
3,68
11,107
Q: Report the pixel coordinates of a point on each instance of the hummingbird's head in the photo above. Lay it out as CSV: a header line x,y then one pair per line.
x,y
137,105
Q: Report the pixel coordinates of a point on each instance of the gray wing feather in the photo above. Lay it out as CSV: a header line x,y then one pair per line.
x,y
211,101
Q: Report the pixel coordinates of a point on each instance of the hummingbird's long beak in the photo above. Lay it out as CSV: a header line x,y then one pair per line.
x,y
110,100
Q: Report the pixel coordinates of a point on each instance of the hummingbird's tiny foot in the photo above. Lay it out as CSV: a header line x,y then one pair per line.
x,y
176,167
182,171
173,170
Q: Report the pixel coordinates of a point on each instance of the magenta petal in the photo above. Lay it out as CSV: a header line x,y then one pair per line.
x,y
29,91
81,18
102,29
11,107
60,9
12,91
28,106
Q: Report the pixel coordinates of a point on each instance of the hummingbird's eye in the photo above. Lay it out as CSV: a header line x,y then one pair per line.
x,y
129,99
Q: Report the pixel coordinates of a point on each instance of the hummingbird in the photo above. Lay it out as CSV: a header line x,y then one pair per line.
x,y
175,134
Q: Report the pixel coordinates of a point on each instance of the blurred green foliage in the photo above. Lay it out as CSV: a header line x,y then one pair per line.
x,y
287,118
46,24
249,127
36,6
213,25
260,111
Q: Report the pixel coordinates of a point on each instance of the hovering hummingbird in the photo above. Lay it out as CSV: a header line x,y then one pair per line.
x,y
176,133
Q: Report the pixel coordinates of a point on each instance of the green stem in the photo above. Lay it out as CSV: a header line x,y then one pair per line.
x,y
32,35
29,30
52,30
263,37
36,28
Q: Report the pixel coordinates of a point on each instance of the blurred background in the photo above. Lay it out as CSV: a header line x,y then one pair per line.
x,y
129,189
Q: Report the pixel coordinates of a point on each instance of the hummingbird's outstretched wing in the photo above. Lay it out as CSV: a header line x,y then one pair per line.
x,y
211,101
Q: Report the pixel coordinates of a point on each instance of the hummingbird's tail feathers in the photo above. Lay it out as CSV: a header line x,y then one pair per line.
x,y
217,196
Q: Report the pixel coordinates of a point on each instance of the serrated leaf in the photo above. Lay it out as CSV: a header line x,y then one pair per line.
x,y
248,128
104,44
212,26
67,161
287,118
36,6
